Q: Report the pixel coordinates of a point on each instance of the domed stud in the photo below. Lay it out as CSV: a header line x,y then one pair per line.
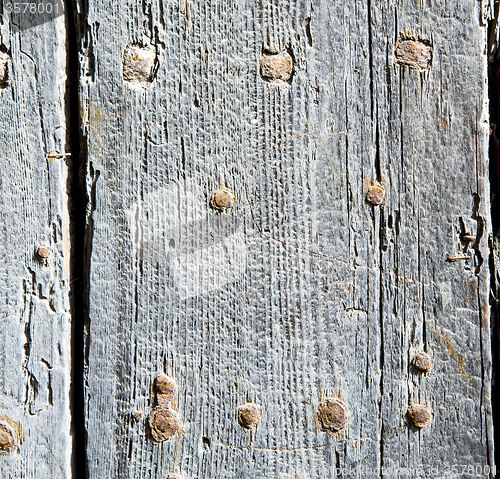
x,y
165,388
223,200
249,415
419,415
165,423
333,415
375,194
42,254
422,362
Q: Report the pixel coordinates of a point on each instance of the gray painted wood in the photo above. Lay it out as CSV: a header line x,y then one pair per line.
x,y
35,321
304,290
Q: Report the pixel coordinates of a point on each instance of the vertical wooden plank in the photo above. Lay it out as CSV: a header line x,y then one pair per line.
x,y
34,311
433,130
304,291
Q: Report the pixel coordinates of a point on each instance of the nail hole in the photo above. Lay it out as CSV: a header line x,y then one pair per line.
x,y
207,443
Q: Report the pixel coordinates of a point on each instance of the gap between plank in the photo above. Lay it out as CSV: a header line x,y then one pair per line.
x,y
78,202
494,162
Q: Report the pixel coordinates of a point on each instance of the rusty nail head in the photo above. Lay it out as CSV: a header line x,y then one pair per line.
x,y
138,63
166,387
467,238
458,257
376,194
165,423
422,362
419,415
333,415
414,53
223,200
7,438
277,67
43,252
249,415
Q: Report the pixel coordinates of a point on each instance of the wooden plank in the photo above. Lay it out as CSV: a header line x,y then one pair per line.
x,y
35,326
304,291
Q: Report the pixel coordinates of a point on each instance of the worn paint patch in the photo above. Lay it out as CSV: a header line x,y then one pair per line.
x,y
414,53
452,352
201,249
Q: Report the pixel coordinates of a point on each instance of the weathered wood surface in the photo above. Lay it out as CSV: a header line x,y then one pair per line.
x,y
304,290
35,326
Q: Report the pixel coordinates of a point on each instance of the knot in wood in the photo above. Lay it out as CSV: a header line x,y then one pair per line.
x,y
414,54
249,415
276,68
419,415
223,200
422,362
333,415
138,64
165,387
165,423
7,438
376,194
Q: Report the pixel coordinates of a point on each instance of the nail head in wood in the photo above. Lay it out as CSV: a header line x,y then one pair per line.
x,y
7,438
466,238
414,53
138,64
375,195
249,415
422,362
333,415
419,415
223,200
166,387
458,257
165,423
276,68
43,253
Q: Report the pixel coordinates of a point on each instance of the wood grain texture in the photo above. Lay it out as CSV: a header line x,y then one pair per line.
x,y
34,308
304,290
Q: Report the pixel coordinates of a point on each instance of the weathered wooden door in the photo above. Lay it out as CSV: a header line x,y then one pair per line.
x,y
286,264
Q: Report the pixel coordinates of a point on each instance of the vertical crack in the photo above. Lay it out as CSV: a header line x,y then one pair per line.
x,y
77,204
494,162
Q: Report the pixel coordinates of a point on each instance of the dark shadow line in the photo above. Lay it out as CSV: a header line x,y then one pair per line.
x,y
494,260
77,205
